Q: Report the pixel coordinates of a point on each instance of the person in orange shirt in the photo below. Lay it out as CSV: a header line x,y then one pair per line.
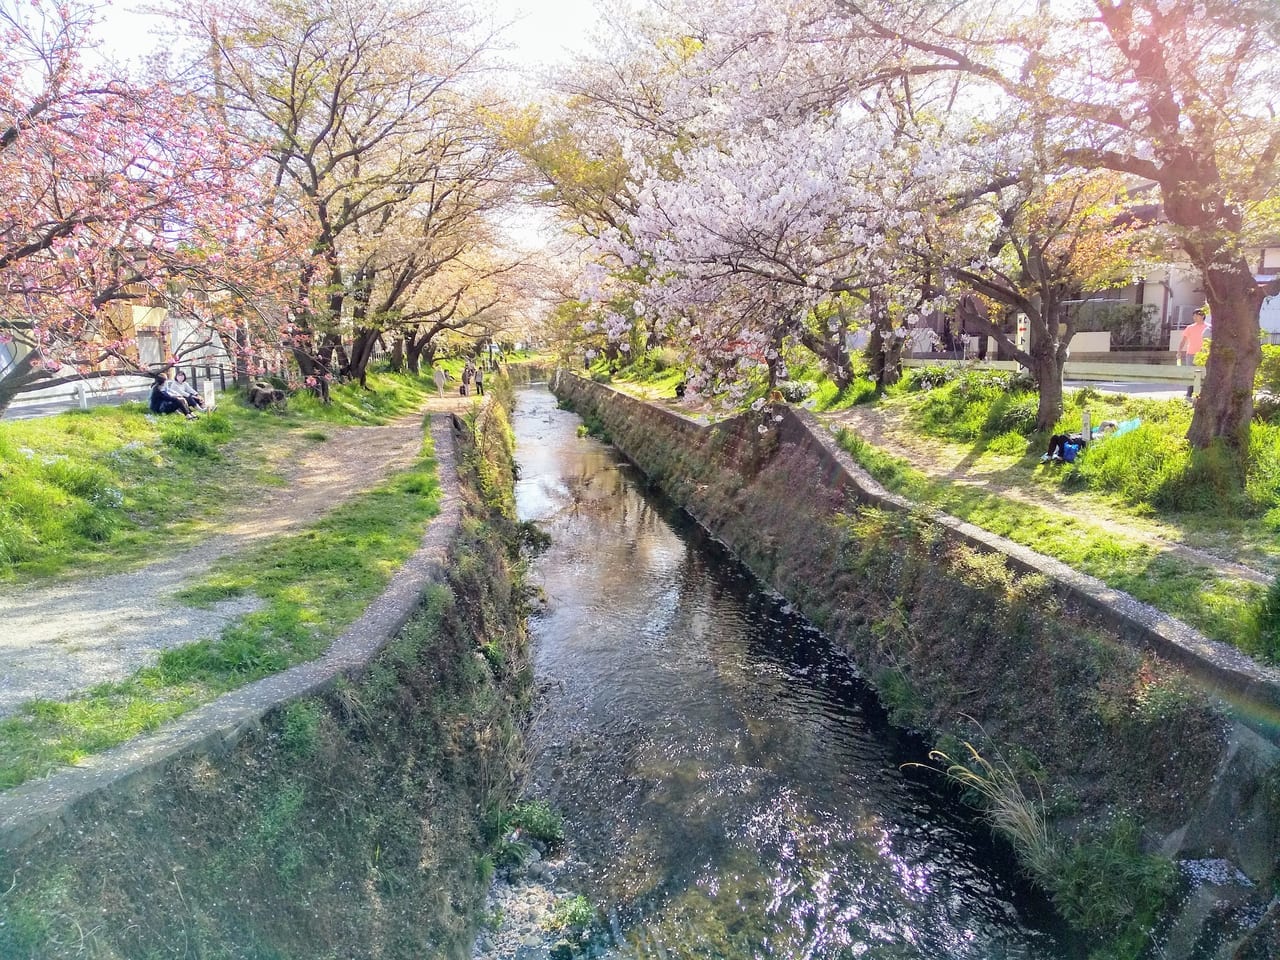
x,y
1192,339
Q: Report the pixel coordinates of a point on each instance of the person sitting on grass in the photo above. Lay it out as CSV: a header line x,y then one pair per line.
x,y
164,400
179,387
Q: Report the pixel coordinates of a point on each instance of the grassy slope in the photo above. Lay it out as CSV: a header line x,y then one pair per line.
x,y
1149,477
1214,604
314,583
87,491
360,823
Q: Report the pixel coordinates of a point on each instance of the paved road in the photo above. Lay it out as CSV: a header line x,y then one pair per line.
x,y
1134,388
26,409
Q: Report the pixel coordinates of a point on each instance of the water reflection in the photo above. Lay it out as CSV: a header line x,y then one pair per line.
x,y
730,784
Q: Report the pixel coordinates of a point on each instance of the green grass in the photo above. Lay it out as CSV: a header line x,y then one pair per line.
x,y
1151,470
537,820
655,374
313,584
1215,605
88,489
388,397
1111,889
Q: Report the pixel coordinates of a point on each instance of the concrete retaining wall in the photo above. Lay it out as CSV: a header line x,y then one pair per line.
x,y
1251,688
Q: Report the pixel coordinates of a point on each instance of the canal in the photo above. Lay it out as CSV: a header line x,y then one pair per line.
x,y
731,786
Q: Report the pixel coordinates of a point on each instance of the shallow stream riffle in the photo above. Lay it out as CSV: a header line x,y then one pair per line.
x,y
730,785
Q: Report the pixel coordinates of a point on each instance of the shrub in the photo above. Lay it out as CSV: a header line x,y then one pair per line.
x,y
1135,465
537,820
978,405
93,524
926,378
573,914
1209,481
1111,889
664,359
1266,625
1266,409
1267,378
78,478
1014,412
301,728
1262,485
994,787
189,441
795,391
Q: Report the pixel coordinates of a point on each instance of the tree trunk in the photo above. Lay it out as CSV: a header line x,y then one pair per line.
x,y
240,357
414,354
1046,369
19,378
884,350
1210,222
831,348
361,353
396,358
312,370
1225,405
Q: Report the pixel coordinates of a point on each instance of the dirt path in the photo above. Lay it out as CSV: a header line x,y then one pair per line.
x,y
942,461
69,636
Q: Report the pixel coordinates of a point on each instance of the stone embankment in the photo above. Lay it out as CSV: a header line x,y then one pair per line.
x,y
968,636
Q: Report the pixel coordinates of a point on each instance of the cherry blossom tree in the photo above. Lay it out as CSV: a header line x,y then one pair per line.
x,y
741,241
368,115
1049,242
1181,93
116,191
776,198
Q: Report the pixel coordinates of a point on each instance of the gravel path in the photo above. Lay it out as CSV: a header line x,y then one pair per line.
x,y
70,636
877,427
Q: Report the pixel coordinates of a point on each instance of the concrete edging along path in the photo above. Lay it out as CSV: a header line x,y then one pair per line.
x,y
213,728
1226,670
1250,687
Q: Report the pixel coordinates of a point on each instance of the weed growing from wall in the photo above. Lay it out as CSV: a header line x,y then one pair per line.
x,y
995,788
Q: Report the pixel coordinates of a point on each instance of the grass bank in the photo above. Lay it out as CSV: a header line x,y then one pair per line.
x,y
99,489
983,422
1223,608
312,584
358,824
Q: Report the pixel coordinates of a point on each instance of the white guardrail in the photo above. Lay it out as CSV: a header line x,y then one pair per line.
x,y
1091,370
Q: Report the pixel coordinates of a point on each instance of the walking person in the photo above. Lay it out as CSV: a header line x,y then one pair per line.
x,y
468,373
480,380
439,377
1190,344
1192,339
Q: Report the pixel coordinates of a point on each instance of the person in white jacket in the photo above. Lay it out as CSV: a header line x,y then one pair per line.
x,y
178,387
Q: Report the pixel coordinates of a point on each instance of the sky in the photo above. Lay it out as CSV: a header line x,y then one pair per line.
x,y
542,32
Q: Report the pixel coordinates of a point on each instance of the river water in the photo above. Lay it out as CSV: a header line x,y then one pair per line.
x,y
731,787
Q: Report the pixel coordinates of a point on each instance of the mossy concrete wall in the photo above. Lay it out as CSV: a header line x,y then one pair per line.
x,y
969,638
349,817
